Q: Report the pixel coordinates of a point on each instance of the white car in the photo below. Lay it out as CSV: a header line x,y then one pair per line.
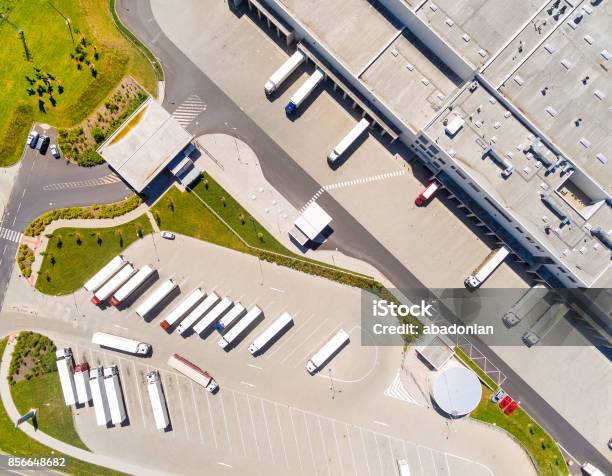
x,y
168,235
32,138
54,151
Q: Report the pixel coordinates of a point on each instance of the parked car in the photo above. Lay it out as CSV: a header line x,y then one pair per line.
x,y
505,402
510,408
32,139
55,151
168,235
498,396
42,144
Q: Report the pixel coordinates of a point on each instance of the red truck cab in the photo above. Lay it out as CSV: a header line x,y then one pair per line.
x,y
426,195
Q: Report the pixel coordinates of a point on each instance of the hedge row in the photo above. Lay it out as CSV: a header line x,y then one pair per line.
x,y
25,258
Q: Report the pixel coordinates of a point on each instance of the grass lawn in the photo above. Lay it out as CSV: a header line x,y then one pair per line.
x,y
481,373
14,442
63,94
540,446
73,255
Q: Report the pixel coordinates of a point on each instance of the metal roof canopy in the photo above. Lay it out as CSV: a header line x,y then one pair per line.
x,y
144,144
457,391
313,221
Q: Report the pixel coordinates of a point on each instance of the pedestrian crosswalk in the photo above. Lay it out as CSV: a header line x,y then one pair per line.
x,y
107,179
362,180
312,200
189,109
10,235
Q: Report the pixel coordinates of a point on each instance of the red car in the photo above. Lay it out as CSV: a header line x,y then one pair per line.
x,y
510,409
505,402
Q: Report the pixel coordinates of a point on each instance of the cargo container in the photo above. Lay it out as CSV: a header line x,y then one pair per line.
x,y
192,371
325,353
120,343
158,400
134,283
183,308
81,381
197,313
304,91
113,284
230,318
114,395
213,315
241,326
156,297
347,140
282,73
274,329
65,370
107,272
98,394
486,268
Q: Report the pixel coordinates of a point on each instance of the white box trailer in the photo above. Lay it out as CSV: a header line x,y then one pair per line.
x,y
283,72
158,400
192,371
107,272
65,370
113,284
213,316
263,339
157,296
98,395
114,394
183,308
81,381
197,313
120,343
132,285
241,326
318,360
304,91
347,140
230,318
403,468
486,268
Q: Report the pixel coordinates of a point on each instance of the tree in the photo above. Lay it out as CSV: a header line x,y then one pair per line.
x,y
260,235
223,200
98,238
241,218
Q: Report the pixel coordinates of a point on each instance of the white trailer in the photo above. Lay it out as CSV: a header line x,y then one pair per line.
x,y
304,91
98,394
113,284
318,360
192,371
197,313
486,268
120,343
157,296
107,272
524,305
114,394
65,370
283,72
263,339
81,381
241,326
230,318
347,140
132,285
213,316
158,400
403,468
183,308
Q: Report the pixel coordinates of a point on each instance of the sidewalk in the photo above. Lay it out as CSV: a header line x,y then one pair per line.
x,y
109,462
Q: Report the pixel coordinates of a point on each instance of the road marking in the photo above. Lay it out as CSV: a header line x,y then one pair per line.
x,y
212,422
304,340
255,366
382,423
239,423
362,180
120,327
253,426
224,464
314,463
327,458
144,420
247,384
365,452
297,444
263,410
280,429
447,465
195,404
106,180
178,389
188,110
312,199
321,343
396,390
278,290
227,432
10,235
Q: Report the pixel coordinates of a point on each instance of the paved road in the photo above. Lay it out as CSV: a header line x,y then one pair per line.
x,y
184,79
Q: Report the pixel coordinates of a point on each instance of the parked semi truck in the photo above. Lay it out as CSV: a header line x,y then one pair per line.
x,y
158,400
304,91
156,297
197,313
98,395
132,285
81,382
113,284
183,308
403,468
120,343
192,371
486,268
264,339
230,318
346,141
240,328
65,370
424,197
325,353
107,272
283,72
213,316
114,395
524,305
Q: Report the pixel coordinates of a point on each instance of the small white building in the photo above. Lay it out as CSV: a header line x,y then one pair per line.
x,y
310,224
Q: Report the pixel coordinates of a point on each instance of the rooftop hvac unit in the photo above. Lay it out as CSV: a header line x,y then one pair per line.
x,y
556,209
602,236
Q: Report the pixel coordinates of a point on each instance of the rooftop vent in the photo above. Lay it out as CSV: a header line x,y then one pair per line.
x,y
550,48
555,208
602,236
588,39
566,64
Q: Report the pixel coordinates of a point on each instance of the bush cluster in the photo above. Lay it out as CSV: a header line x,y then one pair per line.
x,y
34,355
25,258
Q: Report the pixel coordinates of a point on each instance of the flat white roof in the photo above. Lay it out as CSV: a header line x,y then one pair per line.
x,y
144,145
313,221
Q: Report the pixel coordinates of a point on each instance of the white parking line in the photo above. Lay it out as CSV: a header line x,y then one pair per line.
x,y
297,444
327,458
263,410
254,430
227,432
212,423
433,461
382,468
314,463
224,464
255,366
320,344
195,404
337,447
247,384
447,465
280,429
239,424
178,388
144,420
381,423
286,341
365,452
304,340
